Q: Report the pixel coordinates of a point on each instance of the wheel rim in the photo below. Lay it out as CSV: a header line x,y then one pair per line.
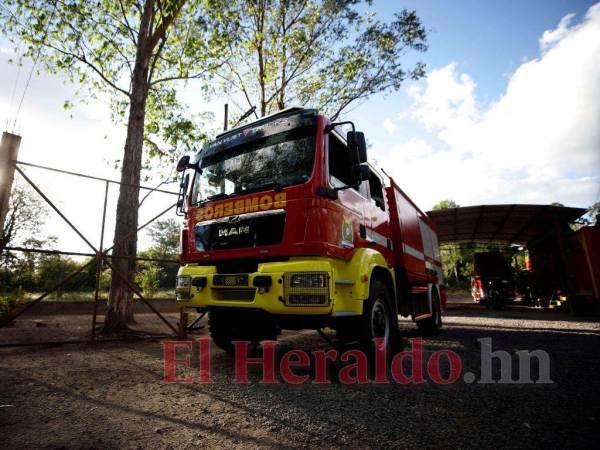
x,y
380,321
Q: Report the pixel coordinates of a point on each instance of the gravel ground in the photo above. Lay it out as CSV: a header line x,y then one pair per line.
x,y
112,396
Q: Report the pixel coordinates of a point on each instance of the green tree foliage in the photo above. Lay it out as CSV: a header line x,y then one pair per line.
x,y
20,268
165,247
52,269
593,213
105,280
25,219
135,51
165,238
319,53
27,214
103,45
458,259
453,258
148,278
590,217
445,204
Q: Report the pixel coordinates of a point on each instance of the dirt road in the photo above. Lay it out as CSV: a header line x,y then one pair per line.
x,y
111,395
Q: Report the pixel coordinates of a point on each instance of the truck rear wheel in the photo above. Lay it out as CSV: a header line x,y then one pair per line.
x,y
379,319
432,326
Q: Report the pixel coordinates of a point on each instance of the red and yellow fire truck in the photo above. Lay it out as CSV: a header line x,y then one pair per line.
x,y
289,227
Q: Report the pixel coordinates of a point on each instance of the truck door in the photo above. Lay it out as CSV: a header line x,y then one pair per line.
x,y
377,219
348,211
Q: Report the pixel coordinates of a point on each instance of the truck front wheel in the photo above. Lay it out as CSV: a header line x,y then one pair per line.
x,y
227,327
379,319
221,331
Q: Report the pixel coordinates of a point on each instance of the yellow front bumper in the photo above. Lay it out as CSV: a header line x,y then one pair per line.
x,y
346,292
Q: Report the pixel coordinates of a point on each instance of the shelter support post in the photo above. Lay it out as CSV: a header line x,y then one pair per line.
x,y
562,261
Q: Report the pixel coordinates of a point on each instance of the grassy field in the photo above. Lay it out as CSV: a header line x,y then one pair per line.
x,y
12,301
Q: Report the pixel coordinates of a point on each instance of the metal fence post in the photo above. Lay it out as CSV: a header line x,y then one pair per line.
x,y
9,149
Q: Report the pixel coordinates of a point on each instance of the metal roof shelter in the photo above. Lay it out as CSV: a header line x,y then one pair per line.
x,y
518,224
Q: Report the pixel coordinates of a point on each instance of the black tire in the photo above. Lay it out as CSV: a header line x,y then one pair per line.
x,y
227,327
221,331
579,307
432,326
379,319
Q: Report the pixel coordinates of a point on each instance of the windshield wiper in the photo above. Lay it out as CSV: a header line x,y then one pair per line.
x,y
275,185
219,196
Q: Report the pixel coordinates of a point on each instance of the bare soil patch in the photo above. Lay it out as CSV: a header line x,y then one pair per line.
x,y
111,395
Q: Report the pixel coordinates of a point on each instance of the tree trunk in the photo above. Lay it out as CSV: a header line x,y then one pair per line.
x,y
120,301
260,25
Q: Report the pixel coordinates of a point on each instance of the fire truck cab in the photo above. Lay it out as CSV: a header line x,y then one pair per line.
x,y
288,226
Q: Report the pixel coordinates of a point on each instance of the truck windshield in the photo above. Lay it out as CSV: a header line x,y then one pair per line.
x,y
280,160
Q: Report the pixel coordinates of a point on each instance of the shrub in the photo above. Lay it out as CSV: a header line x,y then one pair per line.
x,y
148,279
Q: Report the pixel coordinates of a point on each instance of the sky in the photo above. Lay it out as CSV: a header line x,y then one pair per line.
x,y
507,114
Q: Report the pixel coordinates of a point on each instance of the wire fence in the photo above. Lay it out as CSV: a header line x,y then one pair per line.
x,y
99,259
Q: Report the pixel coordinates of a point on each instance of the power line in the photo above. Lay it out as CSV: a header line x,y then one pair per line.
x,y
35,61
14,89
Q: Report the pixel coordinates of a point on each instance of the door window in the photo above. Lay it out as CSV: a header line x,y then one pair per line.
x,y
376,188
340,163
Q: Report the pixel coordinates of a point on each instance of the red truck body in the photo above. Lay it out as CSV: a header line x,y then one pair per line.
x,y
354,234
583,268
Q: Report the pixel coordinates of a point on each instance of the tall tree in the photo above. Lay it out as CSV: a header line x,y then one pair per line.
x,y
26,215
593,214
590,218
320,53
452,255
136,51
165,237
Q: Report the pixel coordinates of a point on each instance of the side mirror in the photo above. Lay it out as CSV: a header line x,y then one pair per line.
x,y
357,145
183,163
181,196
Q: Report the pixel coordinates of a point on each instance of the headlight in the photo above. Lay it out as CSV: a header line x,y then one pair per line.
x,y
183,288
309,280
306,289
184,282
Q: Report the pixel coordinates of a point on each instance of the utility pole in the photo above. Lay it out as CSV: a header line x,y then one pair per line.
x,y
9,150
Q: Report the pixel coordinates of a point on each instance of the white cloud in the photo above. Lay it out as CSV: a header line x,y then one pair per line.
x,y
81,144
539,142
390,126
551,37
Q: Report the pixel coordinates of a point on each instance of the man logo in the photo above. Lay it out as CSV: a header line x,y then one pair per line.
x,y
234,231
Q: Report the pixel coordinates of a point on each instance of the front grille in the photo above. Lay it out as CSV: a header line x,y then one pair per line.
x,y
249,230
230,280
234,294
